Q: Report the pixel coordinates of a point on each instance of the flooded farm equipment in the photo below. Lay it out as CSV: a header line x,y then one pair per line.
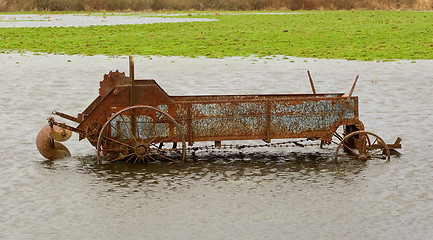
x,y
137,121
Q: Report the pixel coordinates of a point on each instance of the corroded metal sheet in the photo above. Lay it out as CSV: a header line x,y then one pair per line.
x,y
228,119
265,118
228,109
307,116
237,126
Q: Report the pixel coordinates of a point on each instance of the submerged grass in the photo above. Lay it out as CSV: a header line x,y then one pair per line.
x,y
354,35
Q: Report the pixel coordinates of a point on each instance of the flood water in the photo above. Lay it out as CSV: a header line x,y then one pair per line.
x,y
258,193
79,20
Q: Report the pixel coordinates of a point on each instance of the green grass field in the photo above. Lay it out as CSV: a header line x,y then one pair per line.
x,y
353,35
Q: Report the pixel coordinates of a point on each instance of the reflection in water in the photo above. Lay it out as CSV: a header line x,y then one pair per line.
x,y
211,168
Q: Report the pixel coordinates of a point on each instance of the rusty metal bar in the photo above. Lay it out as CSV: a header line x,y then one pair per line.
x,y
353,87
311,82
131,75
396,144
66,116
345,105
63,125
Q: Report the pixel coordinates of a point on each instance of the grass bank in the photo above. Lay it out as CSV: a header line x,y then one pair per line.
x,y
185,5
353,35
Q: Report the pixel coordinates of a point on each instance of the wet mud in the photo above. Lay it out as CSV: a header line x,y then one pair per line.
x,y
250,193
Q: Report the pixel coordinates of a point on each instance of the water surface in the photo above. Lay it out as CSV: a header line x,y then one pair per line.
x,y
82,20
263,193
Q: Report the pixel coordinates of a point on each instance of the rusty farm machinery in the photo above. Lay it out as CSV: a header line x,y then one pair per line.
x,y
137,121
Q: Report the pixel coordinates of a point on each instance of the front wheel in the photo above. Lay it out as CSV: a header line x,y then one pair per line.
x,y
360,145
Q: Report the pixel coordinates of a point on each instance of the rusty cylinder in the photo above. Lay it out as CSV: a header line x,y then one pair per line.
x,y
47,144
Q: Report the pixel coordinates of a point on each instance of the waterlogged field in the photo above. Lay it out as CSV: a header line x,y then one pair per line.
x,y
361,35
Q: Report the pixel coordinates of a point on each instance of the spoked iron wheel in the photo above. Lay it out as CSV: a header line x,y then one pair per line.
x,y
363,145
137,134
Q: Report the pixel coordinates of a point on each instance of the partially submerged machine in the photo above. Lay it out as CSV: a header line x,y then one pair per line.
x,y
133,120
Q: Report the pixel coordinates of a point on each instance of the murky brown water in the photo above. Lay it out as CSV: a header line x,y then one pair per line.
x,y
252,194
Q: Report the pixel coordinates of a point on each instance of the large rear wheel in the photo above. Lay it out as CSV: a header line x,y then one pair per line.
x,y
137,134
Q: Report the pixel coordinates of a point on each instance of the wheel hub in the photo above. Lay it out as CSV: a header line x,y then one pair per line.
x,y
362,157
141,150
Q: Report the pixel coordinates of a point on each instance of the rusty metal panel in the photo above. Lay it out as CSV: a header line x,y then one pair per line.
x,y
307,116
266,118
304,107
228,119
181,116
228,109
224,127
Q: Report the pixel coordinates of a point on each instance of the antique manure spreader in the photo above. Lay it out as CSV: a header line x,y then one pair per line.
x,y
133,120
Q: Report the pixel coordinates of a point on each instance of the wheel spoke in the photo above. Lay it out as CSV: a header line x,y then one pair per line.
x,y
153,159
119,158
361,143
121,133
350,149
114,140
371,145
369,155
150,130
130,131
154,129
130,157
115,149
160,134
153,145
145,125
